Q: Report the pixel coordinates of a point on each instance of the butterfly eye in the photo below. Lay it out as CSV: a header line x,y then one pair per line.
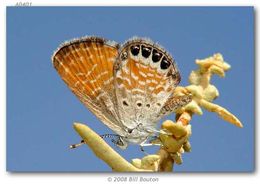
x,y
156,56
146,51
135,50
165,63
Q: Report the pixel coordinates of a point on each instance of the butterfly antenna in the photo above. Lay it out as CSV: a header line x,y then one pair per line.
x,y
109,136
73,146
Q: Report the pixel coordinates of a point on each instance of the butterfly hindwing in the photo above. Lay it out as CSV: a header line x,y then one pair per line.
x,y
145,77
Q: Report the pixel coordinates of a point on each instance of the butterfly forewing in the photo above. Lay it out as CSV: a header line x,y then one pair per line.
x,y
86,66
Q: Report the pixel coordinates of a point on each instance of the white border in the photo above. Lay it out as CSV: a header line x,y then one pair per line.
x,y
136,3
87,179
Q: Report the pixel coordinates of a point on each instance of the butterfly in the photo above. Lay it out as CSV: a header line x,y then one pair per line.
x,y
129,87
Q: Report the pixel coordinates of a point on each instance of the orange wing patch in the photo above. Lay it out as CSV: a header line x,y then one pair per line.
x,y
82,64
86,66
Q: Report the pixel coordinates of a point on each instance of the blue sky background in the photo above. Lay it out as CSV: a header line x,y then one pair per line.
x,y
41,109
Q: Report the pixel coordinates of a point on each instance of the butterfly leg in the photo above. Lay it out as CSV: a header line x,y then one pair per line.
x,y
150,129
150,143
120,142
73,146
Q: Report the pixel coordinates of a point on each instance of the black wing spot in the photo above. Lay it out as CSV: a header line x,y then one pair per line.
x,y
165,63
124,56
146,51
135,49
125,103
156,56
139,104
